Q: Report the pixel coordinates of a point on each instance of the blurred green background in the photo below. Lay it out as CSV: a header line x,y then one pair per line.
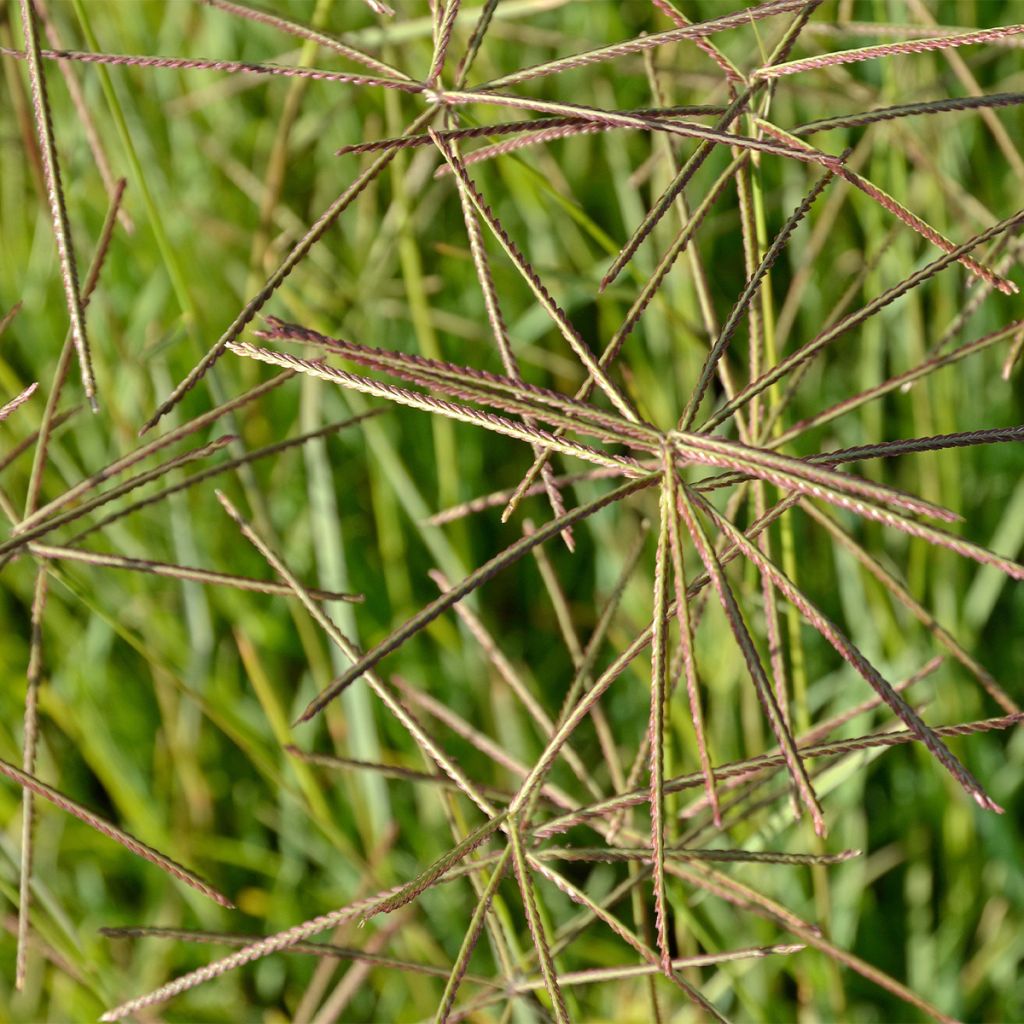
x,y
165,705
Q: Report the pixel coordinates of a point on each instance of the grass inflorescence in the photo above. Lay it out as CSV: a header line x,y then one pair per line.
x,y
522,437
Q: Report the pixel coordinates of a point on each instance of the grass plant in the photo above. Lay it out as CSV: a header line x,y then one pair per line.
x,y
521,550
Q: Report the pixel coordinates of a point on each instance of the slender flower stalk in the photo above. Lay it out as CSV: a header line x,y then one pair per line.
x,y
55,194
136,846
133,60
890,50
310,34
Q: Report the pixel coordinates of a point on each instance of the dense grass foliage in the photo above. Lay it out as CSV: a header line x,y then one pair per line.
x,y
236,697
